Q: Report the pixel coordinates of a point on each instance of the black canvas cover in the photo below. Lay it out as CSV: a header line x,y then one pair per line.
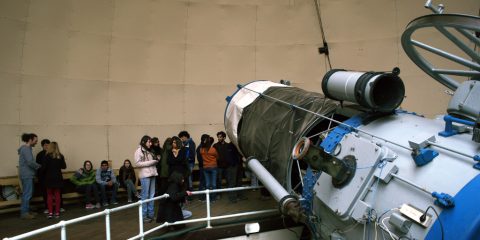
x,y
269,128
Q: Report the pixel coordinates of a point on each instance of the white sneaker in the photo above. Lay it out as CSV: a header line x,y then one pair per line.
x,y
62,210
46,211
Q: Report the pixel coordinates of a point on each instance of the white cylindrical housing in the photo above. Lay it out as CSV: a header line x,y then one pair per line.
x,y
379,91
273,186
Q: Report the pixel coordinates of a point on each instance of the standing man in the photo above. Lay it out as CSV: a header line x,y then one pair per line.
x,y
26,169
40,159
190,148
231,159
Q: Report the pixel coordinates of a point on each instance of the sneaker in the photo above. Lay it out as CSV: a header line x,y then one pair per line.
x,y
98,205
129,200
27,216
89,206
57,215
147,220
114,203
62,210
50,216
105,204
46,211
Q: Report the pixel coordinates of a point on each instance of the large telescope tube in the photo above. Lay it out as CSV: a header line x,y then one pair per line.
x,y
378,91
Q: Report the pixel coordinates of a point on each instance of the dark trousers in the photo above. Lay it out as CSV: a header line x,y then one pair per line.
x,y
88,190
43,190
202,184
231,178
103,192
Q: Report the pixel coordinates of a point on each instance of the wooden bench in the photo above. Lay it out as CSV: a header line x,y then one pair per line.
x,y
69,194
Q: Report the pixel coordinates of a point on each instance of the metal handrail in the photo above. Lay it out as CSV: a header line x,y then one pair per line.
x,y
64,223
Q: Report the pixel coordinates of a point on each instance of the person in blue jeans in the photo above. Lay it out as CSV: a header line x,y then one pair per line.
x,y
106,180
147,173
209,155
27,168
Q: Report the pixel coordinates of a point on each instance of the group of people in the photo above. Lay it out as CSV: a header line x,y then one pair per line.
x,y
167,169
95,183
47,167
171,167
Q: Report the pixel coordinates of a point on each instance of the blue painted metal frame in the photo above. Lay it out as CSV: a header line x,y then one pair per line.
x,y
449,120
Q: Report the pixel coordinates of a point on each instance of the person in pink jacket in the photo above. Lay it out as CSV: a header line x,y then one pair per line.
x,y
147,173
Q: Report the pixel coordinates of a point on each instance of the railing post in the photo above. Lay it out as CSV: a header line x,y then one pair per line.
x,y
107,223
208,209
140,220
63,231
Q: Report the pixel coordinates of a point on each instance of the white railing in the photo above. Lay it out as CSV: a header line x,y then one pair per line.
x,y
63,224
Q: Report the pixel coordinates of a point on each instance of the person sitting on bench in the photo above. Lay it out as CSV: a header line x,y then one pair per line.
x,y
106,180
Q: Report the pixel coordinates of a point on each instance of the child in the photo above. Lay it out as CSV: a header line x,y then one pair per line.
x,y
54,163
84,180
128,178
169,210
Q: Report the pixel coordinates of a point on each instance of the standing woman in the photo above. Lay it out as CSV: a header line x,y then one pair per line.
x,y
128,179
177,159
147,172
209,155
54,163
162,167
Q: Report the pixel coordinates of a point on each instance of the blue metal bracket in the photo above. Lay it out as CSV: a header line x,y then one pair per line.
x,y
336,135
477,159
425,156
309,181
449,130
443,200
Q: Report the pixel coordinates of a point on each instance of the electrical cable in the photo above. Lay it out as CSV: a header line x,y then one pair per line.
x,y
392,235
424,215
320,22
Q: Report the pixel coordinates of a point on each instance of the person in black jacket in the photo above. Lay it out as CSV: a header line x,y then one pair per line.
x,y
177,160
54,163
128,179
40,159
169,209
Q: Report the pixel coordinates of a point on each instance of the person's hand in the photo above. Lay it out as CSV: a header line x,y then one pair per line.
x,y
80,171
189,193
109,183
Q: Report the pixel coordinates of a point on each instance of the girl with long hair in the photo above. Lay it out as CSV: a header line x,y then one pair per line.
x,y
147,172
209,155
54,163
128,179
177,159
162,166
